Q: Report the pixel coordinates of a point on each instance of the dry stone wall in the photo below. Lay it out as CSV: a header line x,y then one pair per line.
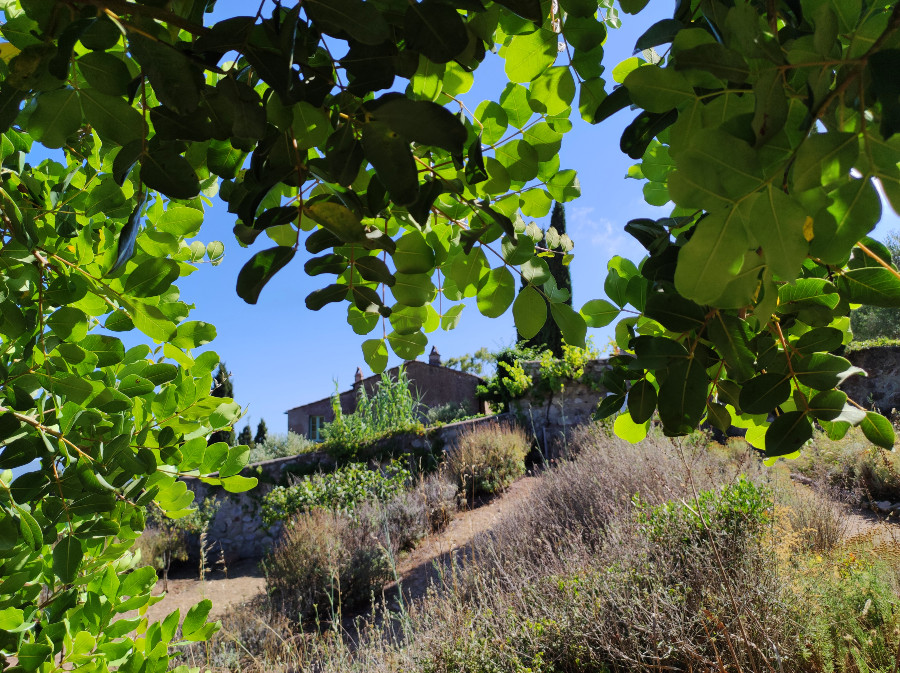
x,y
881,388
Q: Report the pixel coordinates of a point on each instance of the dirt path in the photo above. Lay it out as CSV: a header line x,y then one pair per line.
x,y
244,580
424,564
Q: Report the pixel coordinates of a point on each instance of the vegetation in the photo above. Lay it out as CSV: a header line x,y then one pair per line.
x,y
392,407
487,458
224,388
472,363
341,490
304,132
448,413
661,555
550,336
262,432
166,540
874,323
281,446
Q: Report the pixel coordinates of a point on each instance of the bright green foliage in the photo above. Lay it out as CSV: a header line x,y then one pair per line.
x,y
393,406
765,123
341,490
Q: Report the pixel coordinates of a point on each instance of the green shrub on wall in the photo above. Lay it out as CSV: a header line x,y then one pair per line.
x,y
341,490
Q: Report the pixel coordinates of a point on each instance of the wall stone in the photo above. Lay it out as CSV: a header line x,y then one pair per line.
x,y
552,416
881,388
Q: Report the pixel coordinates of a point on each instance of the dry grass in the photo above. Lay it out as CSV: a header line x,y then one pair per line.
x,y
666,556
486,459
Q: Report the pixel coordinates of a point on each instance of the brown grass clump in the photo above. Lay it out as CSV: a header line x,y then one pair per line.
x,y
486,459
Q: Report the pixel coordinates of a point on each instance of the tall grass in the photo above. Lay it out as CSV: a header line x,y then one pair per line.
x,y
665,556
392,407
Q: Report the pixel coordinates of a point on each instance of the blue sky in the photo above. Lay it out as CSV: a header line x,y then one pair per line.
x,y
282,355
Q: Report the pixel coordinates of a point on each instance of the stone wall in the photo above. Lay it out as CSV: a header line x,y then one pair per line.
x,y
237,529
551,416
881,388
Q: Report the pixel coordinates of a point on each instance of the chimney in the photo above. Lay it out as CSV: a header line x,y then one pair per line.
x,y
357,379
434,358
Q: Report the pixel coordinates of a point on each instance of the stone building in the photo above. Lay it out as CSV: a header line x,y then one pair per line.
x,y
433,383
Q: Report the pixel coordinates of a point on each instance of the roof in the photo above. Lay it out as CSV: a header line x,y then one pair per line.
x,y
376,377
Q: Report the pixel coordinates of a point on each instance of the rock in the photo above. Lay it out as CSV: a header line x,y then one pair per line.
x,y
883,506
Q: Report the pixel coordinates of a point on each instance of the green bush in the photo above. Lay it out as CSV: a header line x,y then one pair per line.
x,y
486,459
281,446
341,490
391,408
448,413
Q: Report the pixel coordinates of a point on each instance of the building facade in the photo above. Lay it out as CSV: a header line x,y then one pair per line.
x,y
432,383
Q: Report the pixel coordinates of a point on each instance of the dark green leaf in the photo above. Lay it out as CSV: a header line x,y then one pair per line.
x,y
420,121
787,434
435,30
259,271
113,118
169,173
641,401
763,393
361,20
682,396
878,430
389,154
326,295
67,557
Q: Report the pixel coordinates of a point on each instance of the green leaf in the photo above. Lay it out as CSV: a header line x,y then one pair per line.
x,y
655,352
11,619
874,286
886,88
827,405
310,125
193,333
585,33
337,219
450,318
824,158
195,618
413,289
180,221
259,271
413,254
642,401
67,557
527,9
854,211
599,313
113,118
732,336
822,370
389,154
169,173
56,116
682,396
359,19
878,430
570,323
819,339
674,312
528,55
788,433
609,405
32,655
408,346
553,91
497,293
529,312
658,89
763,393
777,220
375,354
714,58
152,322
69,323
519,158
625,428
564,186
514,101
152,277
493,119
105,72
712,258
435,30
327,295
176,80
421,121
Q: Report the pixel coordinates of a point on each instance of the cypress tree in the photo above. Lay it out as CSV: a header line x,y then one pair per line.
x,y
550,336
222,387
261,432
245,438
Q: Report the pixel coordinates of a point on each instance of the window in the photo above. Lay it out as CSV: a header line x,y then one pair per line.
x,y
316,423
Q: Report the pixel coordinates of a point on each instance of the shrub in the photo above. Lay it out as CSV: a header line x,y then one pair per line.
x,y
324,562
486,459
440,500
391,408
341,490
448,413
281,446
